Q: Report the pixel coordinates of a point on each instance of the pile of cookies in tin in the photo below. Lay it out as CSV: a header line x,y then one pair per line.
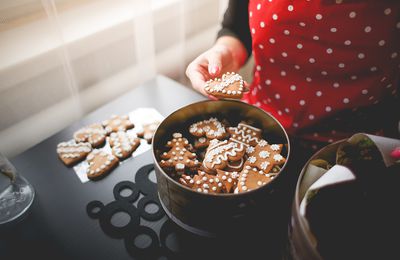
x,y
87,143
222,159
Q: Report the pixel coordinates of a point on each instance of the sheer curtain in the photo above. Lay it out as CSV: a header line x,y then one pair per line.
x,y
61,59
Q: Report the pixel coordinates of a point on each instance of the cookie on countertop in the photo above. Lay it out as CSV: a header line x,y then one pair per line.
x,y
123,144
117,123
148,131
100,163
71,152
230,85
94,134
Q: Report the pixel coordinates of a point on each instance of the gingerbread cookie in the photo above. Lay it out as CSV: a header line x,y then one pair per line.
x,y
201,143
211,128
207,183
219,153
228,180
235,166
186,180
94,134
245,133
123,144
231,85
100,163
70,152
252,178
117,123
179,156
148,131
265,156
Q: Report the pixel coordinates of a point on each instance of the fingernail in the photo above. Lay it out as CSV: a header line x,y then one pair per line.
x,y
395,153
214,69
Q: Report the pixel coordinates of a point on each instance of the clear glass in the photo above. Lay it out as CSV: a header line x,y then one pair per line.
x,y
18,194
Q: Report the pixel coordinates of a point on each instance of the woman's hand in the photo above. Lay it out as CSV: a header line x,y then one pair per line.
x,y
227,55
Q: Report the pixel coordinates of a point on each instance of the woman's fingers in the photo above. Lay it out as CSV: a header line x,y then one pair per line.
x,y
196,73
214,59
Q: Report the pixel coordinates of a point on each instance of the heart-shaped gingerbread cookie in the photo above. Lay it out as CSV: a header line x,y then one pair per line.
x,y
231,85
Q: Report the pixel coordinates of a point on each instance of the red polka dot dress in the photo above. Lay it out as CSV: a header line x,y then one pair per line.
x,y
319,62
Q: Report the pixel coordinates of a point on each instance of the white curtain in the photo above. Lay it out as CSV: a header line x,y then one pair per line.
x,y
60,59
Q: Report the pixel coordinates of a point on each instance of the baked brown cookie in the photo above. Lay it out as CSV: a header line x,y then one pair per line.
x,y
100,163
123,144
117,123
93,134
251,178
179,157
211,128
265,156
228,179
219,153
201,143
235,166
245,133
71,152
186,180
148,131
230,85
207,183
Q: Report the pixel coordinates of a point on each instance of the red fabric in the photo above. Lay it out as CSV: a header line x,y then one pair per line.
x,y
315,59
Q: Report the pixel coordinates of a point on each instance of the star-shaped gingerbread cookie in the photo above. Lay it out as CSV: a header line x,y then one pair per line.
x,y
117,123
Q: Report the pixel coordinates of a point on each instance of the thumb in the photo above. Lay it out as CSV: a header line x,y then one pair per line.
x,y
214,63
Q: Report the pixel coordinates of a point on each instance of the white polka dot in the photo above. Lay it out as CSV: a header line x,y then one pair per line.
x,y
311,60
283,73
318,17
284,54
292,87
329,51
295,125
393,55
371,97
367,29
279,112
364,91
308,79
290,8
387,11
299,46
346,100
302,102
361,56
311,117
287,110
262,24
275,17
354,77
261,46
302,24
271,60
339,1
253,31
318,93
324,73
383,79
352,14
398,25
268,82
330,140
333,29
315,38
336,85
341,65
277,96
251,14
373,68
258,6
347,42
286,32
297,67
258,67
381,42
328,109
389,86
272,40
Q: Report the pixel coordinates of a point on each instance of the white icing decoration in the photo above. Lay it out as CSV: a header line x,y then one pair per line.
x,y
252,159
275,147
264,154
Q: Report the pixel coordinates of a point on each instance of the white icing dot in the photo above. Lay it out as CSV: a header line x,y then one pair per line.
x,y
290,8
272,40
284,54
268,82
328,109
367,29
277,96
347,42
352,14
315,38
341,65
311,117
261,46
286,32
387,11
333,29
318,17
302,24
346,100
292,87
299,46
361,55
329,51
318,93
364,91
302,102
311,60
381,42
262,24
275,17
